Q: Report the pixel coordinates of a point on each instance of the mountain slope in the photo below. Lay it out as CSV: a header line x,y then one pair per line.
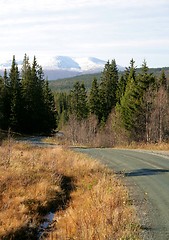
x,y
58,67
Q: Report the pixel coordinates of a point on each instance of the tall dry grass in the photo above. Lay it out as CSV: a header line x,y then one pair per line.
x,y
31,185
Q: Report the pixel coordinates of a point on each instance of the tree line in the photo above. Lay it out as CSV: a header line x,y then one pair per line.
x,y
26,101
132,103
131,106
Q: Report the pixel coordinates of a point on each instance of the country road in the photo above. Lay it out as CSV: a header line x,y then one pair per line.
x,y
146,174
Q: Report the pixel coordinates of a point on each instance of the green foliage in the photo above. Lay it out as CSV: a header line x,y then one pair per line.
x,y
62,101
66,84
78,101
108,88
162,80
121,87
27,102
94,99
15,97
131,94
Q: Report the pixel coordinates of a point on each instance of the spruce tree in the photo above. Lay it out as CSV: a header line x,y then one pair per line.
x,y
129,103
27,93
16,98
78,98
108,88
39,108
145,79
162,80
50,109
121,87
62,101
94,99
6,102
37,99
145,88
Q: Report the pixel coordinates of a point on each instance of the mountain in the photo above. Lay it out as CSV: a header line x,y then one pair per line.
x,y
59,67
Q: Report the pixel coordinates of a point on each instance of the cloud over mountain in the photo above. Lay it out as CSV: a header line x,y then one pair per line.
x,y
64,66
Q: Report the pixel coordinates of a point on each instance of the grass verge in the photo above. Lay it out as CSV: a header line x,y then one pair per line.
x,y
89,201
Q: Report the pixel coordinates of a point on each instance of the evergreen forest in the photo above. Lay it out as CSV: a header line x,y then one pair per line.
x,y
120,107
26,101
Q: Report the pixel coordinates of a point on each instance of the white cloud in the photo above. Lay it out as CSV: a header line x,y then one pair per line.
x,y
84,27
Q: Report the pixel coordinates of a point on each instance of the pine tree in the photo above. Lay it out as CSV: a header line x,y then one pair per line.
x,y
94,99
135,105
162,80
39,108
78,98
37,99
145,79
121,87
62,102
144,92
6,102
108,88
15,95
50,110
129,103
27,93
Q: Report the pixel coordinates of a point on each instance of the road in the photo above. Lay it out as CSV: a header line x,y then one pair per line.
x,y
146,174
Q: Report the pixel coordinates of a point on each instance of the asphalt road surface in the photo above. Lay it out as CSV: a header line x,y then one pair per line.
x,y
146,174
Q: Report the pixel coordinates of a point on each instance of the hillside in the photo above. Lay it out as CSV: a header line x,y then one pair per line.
x,y
65,84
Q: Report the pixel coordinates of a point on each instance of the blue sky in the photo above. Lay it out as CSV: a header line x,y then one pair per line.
x,y
106,29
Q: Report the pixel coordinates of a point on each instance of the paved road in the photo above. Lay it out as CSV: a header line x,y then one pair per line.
x,y
147,176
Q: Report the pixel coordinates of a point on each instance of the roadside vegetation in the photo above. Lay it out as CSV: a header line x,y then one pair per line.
x,y
118,109
89,201
26,101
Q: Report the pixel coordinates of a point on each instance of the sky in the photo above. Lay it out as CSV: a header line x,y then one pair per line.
x,y
105,29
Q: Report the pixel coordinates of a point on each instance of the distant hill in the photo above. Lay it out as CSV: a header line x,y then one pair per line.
x,y
66,84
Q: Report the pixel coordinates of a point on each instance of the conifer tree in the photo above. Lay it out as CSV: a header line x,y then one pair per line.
x,y
50,109
94,99
16,99
78,98
144,91
108,89
62,101
121,87
145,79
27,93
134,105
162,80
6,102
128,103
39,108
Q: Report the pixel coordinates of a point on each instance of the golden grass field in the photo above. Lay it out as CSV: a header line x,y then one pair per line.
x,y
89,201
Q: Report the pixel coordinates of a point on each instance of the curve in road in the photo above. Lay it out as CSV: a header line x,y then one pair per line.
x,y
147,175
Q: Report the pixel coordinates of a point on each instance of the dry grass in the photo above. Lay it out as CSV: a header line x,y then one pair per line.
x,y
28,183
31,179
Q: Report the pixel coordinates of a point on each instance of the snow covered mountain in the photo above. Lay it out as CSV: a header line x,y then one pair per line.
x,y
64,66
74,64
